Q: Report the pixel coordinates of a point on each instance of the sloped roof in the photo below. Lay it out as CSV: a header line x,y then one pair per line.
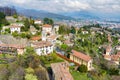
x,y
81,55
36,38
41,44
47,26
60,71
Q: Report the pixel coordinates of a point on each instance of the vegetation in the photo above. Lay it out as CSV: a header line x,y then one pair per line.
x,y
52,58
48,21
64,30
27,66
82,68
3,21
72,30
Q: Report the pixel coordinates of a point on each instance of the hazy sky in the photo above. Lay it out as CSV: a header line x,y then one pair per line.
x,y
57,6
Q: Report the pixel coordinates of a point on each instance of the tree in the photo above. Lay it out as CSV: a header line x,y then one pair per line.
x,y
82,68
113,71
2,16
64,47
18,74
7,30
15,16
3,21
41,73
29,50
27,25
23,35
30,77
36,26
15,34
4,73
48,21
73,30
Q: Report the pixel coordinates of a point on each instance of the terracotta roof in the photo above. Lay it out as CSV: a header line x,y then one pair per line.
x,y
47,26
61,72
34,38
52,37
14,26
81,55
12,45
112,57
41,44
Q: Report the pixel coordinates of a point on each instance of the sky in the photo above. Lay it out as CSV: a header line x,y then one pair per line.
x,y
58,6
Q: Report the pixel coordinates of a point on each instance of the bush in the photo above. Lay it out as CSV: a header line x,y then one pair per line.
x,y
82,68
113,71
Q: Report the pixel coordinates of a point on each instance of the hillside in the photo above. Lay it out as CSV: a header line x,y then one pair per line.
x,y
41,14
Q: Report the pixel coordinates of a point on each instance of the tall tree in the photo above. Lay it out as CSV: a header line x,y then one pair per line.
x,y
48,21
73,30
27,25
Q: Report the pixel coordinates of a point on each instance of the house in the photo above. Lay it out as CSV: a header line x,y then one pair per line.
x,y
114,58
14,28
18,24
35,38
60,71
47,28
42,47
81,58
108,50
52,38
12,49
38,22
84,32
11,45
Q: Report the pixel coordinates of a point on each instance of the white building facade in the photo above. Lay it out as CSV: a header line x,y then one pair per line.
x,y
15,28
42,47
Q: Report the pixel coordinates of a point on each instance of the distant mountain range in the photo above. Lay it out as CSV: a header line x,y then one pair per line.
x,y
81,15
63,16
42,14
93,15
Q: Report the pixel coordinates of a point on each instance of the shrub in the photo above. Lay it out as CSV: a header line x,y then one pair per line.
x,y
82,68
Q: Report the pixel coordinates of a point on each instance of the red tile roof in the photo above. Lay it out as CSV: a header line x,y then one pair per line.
x,y
41,44
14,26
34,38
81,55
12,45
47,26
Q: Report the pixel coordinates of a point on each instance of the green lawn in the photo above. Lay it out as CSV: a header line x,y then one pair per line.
x,y
77,75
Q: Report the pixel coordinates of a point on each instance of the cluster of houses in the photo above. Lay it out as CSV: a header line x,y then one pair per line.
x,y
10,45
43,46
115,58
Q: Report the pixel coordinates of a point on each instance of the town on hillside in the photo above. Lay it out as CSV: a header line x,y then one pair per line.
x,y
44,49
